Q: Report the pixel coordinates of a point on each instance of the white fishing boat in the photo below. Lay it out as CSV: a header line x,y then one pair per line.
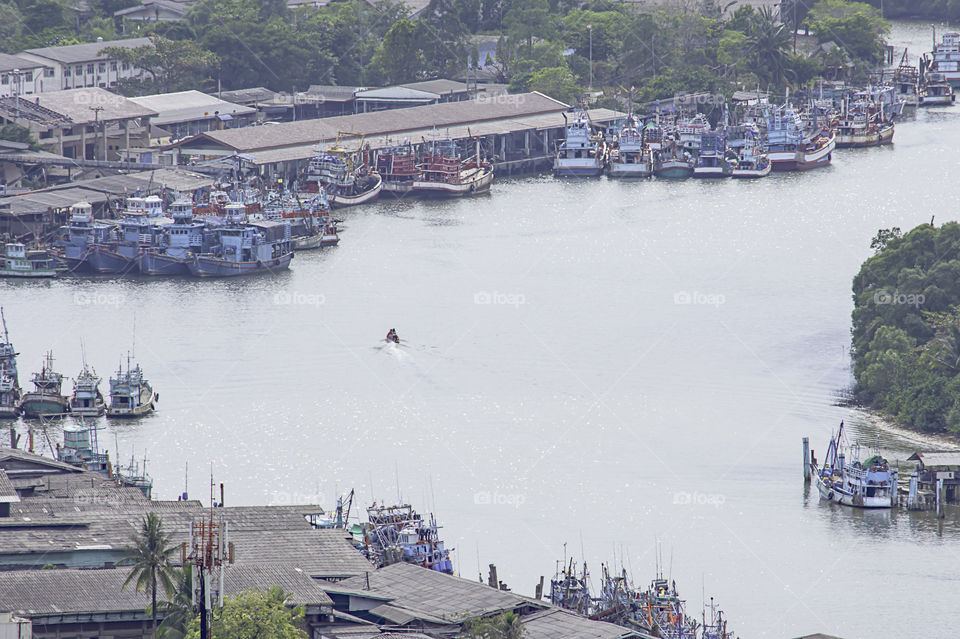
x,y
944,60
131,395
87,400
790,148
19,262
936,90
629,156
581,154
846,480
752,161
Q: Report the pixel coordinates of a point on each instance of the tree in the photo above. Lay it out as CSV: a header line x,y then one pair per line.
x,y
11,26
178,612
255,614
856,27
770,43
528,19
883,237
503,626
401,56
171,65
150,559
558,83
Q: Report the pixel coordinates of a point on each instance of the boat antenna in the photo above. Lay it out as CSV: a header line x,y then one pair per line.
x,y
396,475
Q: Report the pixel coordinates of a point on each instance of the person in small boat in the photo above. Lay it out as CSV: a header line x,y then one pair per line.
x,y
392,336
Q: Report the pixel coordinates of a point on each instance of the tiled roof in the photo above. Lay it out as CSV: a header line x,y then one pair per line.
x,y
8,493
73,53
303,589
187,106
11,62
939,459
555,623
429,595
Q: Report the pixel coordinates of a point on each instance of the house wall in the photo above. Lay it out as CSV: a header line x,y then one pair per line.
x,y
31,82
89,73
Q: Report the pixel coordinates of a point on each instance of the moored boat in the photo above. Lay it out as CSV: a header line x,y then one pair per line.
x,y
79,236
752,161
397,165
935,90
180,241
9,377
344,175
944,60
46,398
245,248
848,481
672,162
789,148
17,261
131,395
629,156
444,173
581,154
711,160
87,400
399,534
140,229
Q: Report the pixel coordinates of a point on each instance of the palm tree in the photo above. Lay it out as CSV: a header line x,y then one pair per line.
x,y
150,558
770,42
178,612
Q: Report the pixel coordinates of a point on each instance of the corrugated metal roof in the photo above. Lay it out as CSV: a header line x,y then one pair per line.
x,y
477,129
10,62
937,459
72,53
561,624
440,86
187,106
396,93
79,105
441,116
8,493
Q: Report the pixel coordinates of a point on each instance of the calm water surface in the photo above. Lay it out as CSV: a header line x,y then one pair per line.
x,y
601,364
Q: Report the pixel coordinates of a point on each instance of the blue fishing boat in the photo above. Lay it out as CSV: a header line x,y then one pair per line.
x,y
140,228
245,248
79,236
179,242
581,154
711,160
46,398
846,480
81,449
9,378
399,534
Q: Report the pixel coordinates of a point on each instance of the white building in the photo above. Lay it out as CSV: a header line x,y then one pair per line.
x,y
19,76
80,65
187,113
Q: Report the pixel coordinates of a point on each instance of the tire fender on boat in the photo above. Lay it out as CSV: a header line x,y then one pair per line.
x,y
830,495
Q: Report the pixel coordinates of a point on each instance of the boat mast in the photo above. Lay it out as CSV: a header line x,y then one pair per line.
x,y
6,338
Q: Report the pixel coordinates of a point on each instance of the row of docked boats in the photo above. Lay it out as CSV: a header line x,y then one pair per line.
x,y
655,611
435,168
131,395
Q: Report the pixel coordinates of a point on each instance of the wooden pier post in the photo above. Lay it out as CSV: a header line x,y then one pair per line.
x,y
806,460
492,580
913,496
940,509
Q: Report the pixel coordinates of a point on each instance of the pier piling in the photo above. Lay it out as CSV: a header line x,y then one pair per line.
x,y
806,459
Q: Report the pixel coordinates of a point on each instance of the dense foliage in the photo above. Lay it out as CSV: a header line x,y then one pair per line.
x,y
560,47
906,326
254,614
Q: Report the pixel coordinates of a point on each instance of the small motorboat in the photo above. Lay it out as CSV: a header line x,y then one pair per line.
x,y
392,336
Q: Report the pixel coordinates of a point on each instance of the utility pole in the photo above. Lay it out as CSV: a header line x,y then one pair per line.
x,y
96,125
590,29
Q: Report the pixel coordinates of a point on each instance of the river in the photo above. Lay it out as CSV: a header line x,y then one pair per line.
x,y
595,368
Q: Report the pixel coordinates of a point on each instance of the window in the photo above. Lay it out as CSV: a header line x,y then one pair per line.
x,y
113,66
102,67
66,72
28,76
102,85
89,68
126,66
48,72
4,79
78,69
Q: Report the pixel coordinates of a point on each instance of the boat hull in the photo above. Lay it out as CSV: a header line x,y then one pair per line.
x,y
711,172
38,404
937,100
308,242
625,170
159,264
751,174
854,501
362,198
105,260
137,411
90,411
803,160
475,182
207,266
672,170
9,412
884,136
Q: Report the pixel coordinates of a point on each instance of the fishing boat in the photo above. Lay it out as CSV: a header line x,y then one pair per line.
x,y
46,398
790,148
131,395
135,476
81,449
906,83
673,162
9,377
310,221
752,161
714,626
78,237
87,400
180,241
443,173
139,229
711,160
398,533
846,480
862,122
630,157
690,132
581,154
19,262
245,248
344,176
666,611
570,588
397,165
944,60
935,90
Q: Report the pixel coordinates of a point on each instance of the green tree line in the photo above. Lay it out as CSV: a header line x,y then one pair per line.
x,y
559,47
906,327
